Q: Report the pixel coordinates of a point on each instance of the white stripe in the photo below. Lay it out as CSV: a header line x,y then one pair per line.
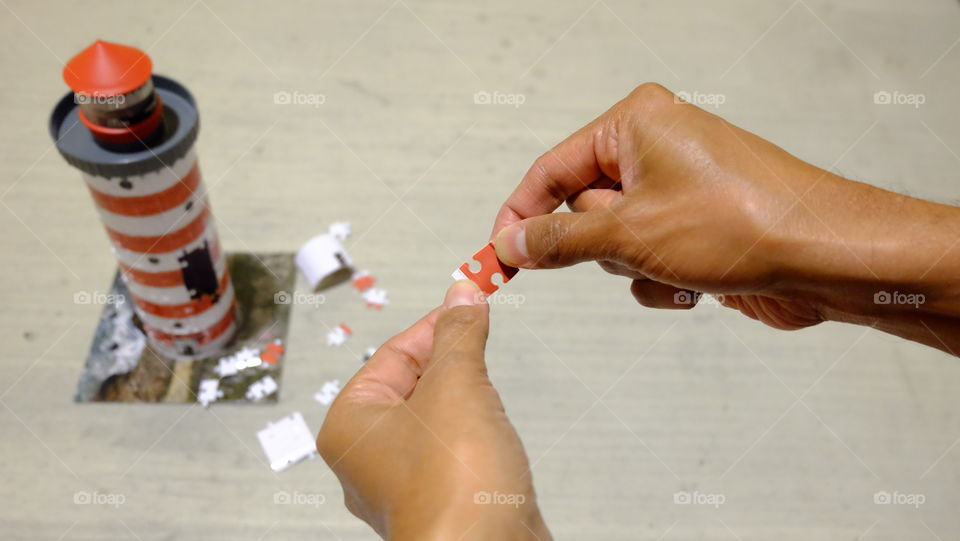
x,y
166,261
158,224
191,324
150,183
177,294
209,349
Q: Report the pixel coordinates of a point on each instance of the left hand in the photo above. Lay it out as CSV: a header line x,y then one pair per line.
x,y
420,440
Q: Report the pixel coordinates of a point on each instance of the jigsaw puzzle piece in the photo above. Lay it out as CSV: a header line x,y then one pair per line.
x,y
489,265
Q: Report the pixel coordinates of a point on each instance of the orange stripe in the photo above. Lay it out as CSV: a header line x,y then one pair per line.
x,y
163,279
152,279
148,205
211,333
163,243
187,309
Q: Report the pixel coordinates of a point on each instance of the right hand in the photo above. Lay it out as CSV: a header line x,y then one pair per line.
x,y
680,201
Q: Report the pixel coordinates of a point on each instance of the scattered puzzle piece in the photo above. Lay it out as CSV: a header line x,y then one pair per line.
x,y
272,352
262,389
340,230
329,391
287,441
209,392
362,281
338,335
489,265
230,365
376,298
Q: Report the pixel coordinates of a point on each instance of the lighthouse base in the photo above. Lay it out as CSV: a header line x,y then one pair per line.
x,y
125,365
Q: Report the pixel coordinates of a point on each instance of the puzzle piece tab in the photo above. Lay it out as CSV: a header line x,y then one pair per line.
x,y
338,335
376,298
489,265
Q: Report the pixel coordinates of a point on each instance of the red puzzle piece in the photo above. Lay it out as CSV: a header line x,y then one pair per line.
x,y
489,265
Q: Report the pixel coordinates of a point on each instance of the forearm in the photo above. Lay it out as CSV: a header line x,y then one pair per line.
x,y
873,257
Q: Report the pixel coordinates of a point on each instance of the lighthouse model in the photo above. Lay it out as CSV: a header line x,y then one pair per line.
x,y
132,135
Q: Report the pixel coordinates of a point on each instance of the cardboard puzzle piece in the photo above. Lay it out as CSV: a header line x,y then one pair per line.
x,y
329,391
232,364
262,389
338,335
362,281
376,298
489,265
272,353
209,392
340,230
287,441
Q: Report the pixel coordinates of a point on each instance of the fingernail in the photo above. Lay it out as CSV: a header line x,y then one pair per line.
x,y
462,293
511,245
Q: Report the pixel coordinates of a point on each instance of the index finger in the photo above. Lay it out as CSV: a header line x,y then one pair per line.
x,y
562,171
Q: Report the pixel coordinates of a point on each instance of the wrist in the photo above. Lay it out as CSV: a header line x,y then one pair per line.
x,y
860,254
472,517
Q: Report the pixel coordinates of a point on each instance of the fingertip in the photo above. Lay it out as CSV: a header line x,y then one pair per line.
x,y
463,293
511,245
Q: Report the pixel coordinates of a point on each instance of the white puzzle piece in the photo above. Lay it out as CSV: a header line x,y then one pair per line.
x,y
287,442
328,393
262,389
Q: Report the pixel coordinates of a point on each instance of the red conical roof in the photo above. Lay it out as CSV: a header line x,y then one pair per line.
x,y
107,69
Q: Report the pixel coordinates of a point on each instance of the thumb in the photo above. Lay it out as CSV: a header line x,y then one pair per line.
x,y
460,336
559,240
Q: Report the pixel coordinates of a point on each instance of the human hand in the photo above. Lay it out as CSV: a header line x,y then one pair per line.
x,y
420,440
680,201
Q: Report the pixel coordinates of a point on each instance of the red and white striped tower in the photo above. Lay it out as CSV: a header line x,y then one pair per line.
x,y
132,135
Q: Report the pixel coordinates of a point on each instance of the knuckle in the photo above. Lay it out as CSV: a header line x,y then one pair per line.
x,y
551,244
650,92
